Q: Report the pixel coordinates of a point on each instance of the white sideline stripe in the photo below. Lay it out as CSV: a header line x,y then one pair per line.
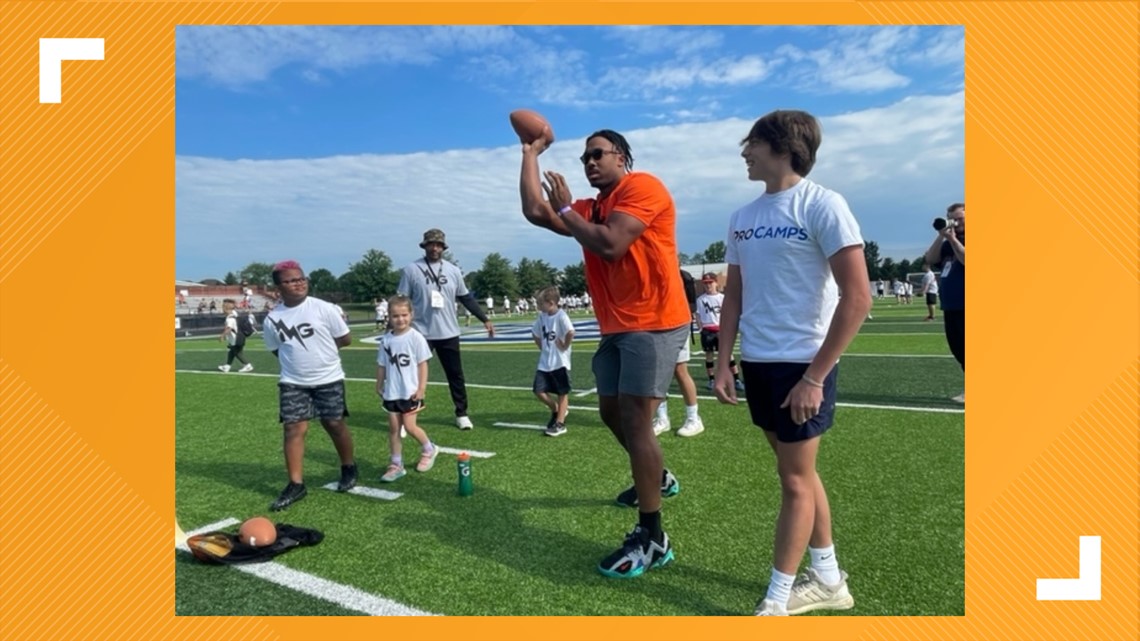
x,y
582,407
520,426
899,334
370,492
345,596
473,453
586,393
902,408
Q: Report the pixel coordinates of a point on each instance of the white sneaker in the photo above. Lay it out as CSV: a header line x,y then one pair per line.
x,y
769,608
248,367
961,398
661,426
463,423
223,368
691,427
809,592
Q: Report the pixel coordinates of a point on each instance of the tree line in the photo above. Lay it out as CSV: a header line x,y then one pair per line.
x,y
374,276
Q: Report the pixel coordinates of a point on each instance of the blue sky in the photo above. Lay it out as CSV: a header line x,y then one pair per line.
x,y
319,143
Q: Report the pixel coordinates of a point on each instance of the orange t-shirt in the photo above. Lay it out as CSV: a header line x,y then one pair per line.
x,y
641,291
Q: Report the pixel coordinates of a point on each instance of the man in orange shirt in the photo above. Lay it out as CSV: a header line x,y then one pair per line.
x,y
628,238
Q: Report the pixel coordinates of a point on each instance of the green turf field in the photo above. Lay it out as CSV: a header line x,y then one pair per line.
x,y
542,515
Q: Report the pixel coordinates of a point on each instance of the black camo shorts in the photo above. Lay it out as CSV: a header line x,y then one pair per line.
x,y
299,403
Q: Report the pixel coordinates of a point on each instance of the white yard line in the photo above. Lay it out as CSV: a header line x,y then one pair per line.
x,y
370,492
521,426
901,408
345,596
473,453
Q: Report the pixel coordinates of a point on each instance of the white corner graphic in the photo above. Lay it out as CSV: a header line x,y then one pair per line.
x,y
1084,588
53,51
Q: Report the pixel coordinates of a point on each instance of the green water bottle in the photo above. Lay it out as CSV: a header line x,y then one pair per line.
x,y
466,488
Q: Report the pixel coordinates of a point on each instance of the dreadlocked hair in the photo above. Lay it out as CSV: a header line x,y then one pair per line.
x,y
619,142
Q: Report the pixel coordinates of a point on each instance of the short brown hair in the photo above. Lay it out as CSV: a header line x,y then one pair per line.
x,y
400,300
549,295
795,133
951,208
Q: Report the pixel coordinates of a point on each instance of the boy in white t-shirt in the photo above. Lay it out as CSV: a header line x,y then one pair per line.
x,y
708,314
401,381
234,339
789,253
553,332
306,334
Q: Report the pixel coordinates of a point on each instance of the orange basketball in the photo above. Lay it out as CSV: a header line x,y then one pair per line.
x,y
530,126
258,532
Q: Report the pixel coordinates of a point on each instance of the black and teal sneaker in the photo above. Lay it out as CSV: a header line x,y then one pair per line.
x,y
669,487
637,554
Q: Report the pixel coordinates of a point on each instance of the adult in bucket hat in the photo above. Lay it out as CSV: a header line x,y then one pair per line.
x,y
435,285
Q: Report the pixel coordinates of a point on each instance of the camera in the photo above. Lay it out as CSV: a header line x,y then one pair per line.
x,y
942,223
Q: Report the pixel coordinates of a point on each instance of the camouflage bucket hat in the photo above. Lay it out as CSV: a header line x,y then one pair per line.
x,y
433,236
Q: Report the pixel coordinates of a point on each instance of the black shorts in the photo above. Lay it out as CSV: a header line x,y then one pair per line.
x,y
299,403
404,406
710,340
931,299
768,384
557,381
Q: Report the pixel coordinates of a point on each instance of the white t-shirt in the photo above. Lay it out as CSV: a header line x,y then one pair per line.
x,y
708,310
305,339
930,283
400,356
782,243
433,289
548,327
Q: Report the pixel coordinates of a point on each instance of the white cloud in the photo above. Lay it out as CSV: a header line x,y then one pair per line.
x,y
682,42
898,166
866,60
236,56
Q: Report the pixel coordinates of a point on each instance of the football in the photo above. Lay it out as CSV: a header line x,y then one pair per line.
x,y
530,126
258,532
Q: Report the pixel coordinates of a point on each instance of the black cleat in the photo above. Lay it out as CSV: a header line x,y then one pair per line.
x,y
347,478
292,493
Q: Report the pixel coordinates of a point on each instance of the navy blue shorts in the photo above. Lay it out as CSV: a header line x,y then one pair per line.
x,y
768,384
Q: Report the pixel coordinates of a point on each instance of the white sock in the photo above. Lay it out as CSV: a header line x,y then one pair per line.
x,y
398,460
428,447
823,561
691,411
780,587
663,411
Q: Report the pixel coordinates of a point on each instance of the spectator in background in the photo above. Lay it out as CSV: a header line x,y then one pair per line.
x,y
949,251
434,285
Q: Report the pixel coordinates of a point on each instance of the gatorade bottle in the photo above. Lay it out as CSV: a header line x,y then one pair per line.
x,y
466,488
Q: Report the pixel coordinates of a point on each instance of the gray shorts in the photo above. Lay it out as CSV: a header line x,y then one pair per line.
x,y
304,403
638,363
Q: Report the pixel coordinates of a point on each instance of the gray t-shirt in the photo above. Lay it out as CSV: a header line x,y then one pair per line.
x,y
418,281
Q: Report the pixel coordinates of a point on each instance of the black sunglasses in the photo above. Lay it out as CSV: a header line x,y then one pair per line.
x,y
596,154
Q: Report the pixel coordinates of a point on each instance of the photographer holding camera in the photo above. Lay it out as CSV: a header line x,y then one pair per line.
x,y
949,251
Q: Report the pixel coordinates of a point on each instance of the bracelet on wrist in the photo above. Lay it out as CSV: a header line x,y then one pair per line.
x,y
811,381
565,210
